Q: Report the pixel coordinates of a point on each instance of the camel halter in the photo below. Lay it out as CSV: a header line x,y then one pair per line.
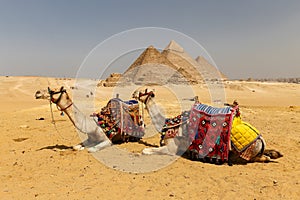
x,y
52,100
149,94
60,92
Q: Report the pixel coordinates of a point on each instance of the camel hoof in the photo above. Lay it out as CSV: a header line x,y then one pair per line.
x,y
267,159
99,146
147,151
78,147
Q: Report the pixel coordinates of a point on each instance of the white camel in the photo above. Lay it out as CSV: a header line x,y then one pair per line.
x,y
181,143
97,139
174,145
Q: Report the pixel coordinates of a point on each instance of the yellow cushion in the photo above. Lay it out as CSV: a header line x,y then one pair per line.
x,y
242,134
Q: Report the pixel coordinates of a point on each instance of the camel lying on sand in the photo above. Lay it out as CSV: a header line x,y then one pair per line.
x,y
257,153
97,139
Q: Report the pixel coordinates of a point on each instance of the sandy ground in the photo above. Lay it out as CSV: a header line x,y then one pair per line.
x,y
37,161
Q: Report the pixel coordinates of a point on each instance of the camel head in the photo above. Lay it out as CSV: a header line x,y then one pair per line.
x,y
234,104
143,96
42,94
60,98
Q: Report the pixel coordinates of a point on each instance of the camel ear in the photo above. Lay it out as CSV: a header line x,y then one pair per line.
x,y
49,90
62,87
235,102
146,90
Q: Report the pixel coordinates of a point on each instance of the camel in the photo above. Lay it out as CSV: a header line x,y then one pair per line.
x,y
181,141
97,139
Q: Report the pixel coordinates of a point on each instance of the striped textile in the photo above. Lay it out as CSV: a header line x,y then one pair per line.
x,y
212,110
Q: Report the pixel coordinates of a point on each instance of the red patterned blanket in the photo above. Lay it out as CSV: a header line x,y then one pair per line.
x,y
209,130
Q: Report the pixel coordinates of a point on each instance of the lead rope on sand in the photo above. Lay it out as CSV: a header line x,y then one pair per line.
x,y
53,120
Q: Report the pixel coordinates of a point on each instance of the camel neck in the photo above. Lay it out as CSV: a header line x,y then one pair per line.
x,y
68,111
84,124
157,117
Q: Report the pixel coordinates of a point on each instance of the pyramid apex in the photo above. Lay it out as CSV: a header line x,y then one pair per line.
x,y
174,46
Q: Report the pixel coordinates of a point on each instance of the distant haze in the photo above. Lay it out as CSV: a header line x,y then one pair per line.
x,y
258,39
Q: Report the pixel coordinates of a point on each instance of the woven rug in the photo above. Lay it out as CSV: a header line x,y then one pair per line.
x,y
120,120
209,130
171,126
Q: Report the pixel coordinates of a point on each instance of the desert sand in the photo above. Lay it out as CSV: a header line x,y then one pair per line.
x,y
37,161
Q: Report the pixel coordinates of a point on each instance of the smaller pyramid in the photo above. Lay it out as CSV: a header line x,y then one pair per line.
x,y
111,81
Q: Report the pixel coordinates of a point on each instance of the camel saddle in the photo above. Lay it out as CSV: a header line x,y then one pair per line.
x,y
121,121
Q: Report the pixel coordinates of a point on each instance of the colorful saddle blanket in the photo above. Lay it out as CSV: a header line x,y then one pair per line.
x,y
121,121
171,126
209,130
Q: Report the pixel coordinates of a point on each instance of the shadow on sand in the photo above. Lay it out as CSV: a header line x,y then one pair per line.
x,y
56,147
147,144
233,159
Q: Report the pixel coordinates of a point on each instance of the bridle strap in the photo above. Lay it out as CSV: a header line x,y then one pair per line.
x,y
148,96
51,101
51,92
63,109
59,98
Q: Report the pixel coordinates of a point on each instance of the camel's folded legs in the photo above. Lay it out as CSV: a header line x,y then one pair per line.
x,y
91,145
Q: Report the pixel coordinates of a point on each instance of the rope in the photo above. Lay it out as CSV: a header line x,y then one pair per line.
x,y
55,127
53,120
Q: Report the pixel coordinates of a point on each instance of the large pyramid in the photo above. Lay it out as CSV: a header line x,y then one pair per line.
x,y
183,62
152,67
200,69
209,71
151,56
173,46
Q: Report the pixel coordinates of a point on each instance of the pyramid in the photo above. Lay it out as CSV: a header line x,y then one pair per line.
x,y
210,71
173,46
151,56
111,81
151,67
183,62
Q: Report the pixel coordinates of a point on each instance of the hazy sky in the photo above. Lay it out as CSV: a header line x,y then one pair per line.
x,y
257,38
